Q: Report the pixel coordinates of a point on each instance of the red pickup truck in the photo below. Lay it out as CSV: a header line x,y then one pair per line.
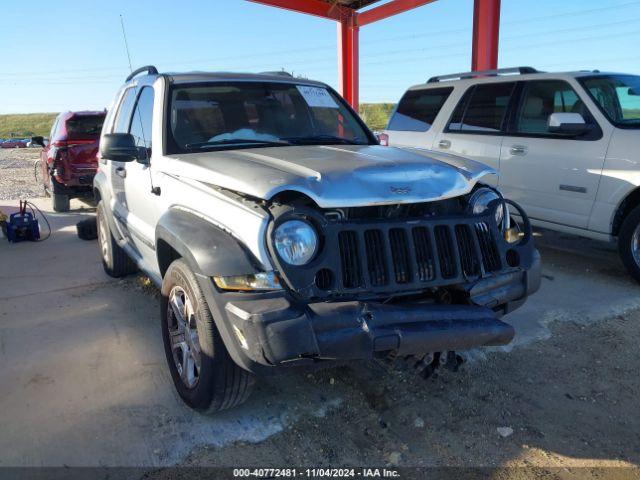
x,y
69,161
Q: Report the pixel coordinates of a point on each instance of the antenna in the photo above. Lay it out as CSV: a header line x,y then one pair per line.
x,y
154,190
126,44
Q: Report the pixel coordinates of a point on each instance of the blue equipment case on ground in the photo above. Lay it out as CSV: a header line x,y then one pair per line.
x,y
22,226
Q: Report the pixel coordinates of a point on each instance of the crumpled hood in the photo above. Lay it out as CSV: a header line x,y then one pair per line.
x,y
335,176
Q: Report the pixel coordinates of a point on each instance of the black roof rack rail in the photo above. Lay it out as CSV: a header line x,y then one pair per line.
x,y
483,73
148,69
279,73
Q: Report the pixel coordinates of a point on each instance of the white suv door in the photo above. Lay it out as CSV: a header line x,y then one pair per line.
x,y
554,177
475,129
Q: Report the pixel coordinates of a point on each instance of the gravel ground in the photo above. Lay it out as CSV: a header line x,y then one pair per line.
x,y
16,173
566,408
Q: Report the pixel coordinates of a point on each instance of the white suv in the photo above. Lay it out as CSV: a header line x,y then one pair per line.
x,y
567,145
282,234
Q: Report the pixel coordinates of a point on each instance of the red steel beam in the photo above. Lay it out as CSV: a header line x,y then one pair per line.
x,y
388,10
486,22
486,34
310,7
348,61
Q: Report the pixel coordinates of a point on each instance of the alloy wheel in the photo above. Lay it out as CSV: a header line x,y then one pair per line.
x,y
104,245
183,336
635,245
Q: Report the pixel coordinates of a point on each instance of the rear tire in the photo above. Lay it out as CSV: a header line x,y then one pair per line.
x,y
203,373
115,261
60,202
629,243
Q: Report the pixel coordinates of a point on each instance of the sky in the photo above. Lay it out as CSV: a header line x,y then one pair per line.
x,y
70,54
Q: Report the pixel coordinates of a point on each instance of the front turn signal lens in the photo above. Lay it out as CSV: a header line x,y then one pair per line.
x,y
247,283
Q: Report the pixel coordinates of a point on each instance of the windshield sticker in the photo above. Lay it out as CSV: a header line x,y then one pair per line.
x,y
317,97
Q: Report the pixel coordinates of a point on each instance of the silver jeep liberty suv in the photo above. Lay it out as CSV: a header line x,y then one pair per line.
x,y
281,234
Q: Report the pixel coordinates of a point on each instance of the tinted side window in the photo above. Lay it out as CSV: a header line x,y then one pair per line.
x,y
458,113
142,117
418,109
123,117
541,99
485,111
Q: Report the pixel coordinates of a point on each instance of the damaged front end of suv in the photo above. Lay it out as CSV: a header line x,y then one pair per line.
x,y
387,280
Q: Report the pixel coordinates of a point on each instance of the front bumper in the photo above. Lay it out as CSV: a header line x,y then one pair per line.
x,y
262,330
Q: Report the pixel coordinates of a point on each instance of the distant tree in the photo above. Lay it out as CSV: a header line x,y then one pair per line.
x,y
376,115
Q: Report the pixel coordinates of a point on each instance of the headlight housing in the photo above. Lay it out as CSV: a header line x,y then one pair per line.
x,y
480,200
296,242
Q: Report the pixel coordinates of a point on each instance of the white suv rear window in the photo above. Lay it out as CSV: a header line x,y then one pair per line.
x,y
418,109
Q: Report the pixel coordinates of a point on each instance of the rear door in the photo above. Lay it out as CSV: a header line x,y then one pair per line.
x,y
411,123
477,125
554,177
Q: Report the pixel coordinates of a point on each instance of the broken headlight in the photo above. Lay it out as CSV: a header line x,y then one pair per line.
x,y
480,200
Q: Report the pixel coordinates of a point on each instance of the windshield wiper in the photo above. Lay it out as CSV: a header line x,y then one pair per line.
x,y
236,141
320,139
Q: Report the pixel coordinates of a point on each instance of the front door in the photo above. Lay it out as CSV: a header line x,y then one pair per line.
x,y
142,210
554,177
117,170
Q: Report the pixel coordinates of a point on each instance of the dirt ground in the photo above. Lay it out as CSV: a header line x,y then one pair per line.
x,y
17,173
571,403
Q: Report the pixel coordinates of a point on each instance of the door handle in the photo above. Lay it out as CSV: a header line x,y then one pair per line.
x,y
444,144
121,172
518,150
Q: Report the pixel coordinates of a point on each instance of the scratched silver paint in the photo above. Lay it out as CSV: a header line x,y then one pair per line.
x,y
335,176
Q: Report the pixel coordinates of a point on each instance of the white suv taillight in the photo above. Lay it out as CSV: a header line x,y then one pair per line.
x,y
383,138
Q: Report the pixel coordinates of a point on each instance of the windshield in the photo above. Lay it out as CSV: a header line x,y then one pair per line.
x,y
228,115
618,96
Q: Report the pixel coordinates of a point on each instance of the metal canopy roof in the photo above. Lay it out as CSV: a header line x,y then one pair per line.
x,y
353,4
486,27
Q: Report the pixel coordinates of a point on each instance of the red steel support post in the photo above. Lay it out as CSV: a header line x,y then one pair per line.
x,y
486,33
348,55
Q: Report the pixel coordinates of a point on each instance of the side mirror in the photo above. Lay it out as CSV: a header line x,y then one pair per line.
x,y
634,91
567,123
119,147
38,141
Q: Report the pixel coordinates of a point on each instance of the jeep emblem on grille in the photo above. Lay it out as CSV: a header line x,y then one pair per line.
x,y
400,190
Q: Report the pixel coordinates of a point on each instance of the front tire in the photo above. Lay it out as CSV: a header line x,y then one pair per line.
x,y
115,261
629,243
203,373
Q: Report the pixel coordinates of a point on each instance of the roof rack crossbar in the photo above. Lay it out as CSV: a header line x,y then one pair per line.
x,y
148,69
278,73
483,73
